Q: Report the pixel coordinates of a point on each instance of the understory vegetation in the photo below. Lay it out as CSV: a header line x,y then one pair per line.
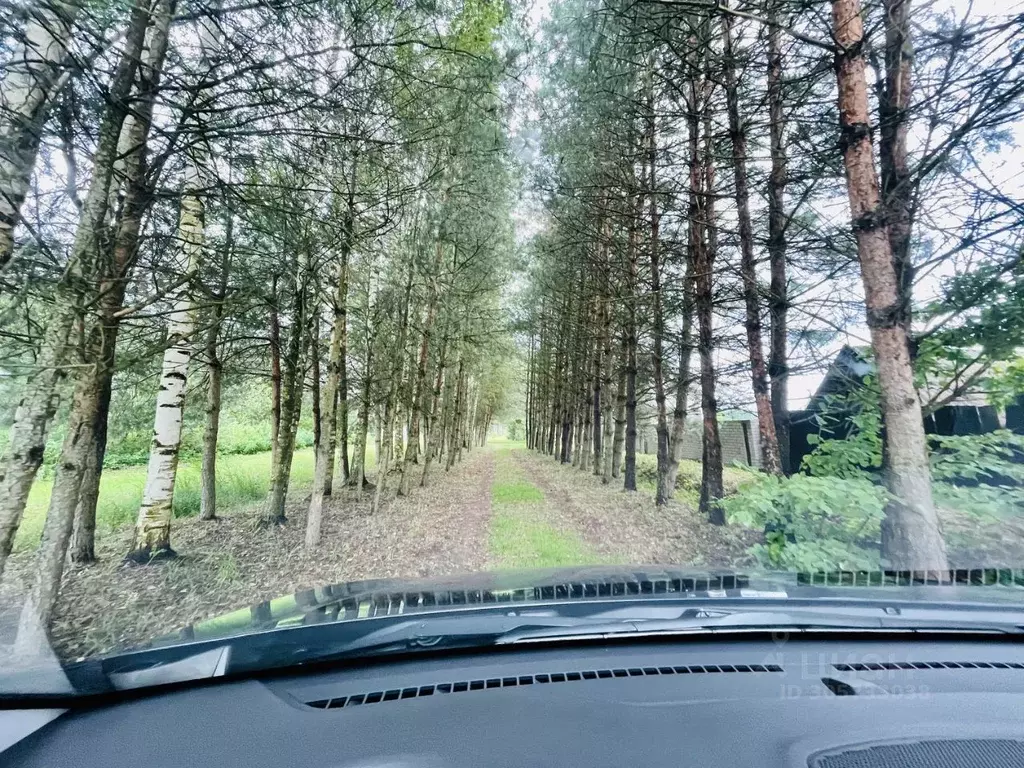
x,y
830,517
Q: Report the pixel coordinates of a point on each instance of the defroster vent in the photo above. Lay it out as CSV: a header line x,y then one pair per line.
x,y
465,686
892,665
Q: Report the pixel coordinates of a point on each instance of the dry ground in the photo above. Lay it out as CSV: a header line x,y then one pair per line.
x,y
628,527
502,507
231,563
447,528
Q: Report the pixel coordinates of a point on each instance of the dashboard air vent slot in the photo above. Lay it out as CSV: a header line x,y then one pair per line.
x,y
892,665
464,686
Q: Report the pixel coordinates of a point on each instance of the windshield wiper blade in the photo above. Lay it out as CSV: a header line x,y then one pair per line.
x,y
481,631
753,621
447,632
376,637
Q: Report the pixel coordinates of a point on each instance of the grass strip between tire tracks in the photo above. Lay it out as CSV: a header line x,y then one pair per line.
x,y
520,537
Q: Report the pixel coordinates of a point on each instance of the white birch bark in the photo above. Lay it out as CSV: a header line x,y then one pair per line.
x,y
31,79
153,526
60,516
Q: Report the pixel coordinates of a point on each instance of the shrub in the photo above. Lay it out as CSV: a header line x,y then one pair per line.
x,y
859,454
734,476
811,522
993,458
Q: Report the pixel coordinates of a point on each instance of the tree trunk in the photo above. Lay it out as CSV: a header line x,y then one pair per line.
x,y
590,347
600,351
335,361
378,440
682,376
208,498
419,384
291,397
619,437
34,73
275,379
778,304
471,415
388,450
455,436
911,535
133,191
337,407
748,270
341,428
83,537
703,239
49,560
435,397
607,404
894,122
27,438
314,383
665,472
357,475
629,471
153,527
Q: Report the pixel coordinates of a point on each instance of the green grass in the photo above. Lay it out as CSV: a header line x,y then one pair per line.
x,y
519,539
241,480
515,492
519,535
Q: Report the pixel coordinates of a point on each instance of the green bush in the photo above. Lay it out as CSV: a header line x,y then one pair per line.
x,y
825,555
990,458
811,522
989,501
860,453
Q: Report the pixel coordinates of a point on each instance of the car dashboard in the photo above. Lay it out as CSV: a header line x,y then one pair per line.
x,y
772,701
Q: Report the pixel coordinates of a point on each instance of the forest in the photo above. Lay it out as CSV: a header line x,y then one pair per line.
x,y
297,291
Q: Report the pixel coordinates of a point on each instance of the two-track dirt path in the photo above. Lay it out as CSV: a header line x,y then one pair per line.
x,y
501,507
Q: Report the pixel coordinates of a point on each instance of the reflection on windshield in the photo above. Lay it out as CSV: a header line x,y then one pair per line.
x,y
296,295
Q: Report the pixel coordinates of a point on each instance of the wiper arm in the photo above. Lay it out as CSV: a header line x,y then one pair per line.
x,y
715,622
479,631
283,648
323,643
447,632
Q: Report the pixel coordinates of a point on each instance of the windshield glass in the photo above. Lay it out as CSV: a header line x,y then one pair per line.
x,y
298,294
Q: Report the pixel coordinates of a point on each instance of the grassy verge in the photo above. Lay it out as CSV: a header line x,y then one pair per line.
x,y
241,480
520,537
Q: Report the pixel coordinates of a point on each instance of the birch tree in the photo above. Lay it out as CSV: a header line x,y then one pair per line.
x,y
36,70
153,526
38,403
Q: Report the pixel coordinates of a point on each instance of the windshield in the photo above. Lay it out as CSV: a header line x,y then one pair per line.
x,y
299,294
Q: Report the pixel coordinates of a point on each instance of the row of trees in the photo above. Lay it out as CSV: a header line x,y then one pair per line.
x,y
314,194
702,164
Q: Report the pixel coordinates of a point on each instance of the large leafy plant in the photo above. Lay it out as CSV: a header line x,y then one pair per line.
x,y
858,454
811,522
